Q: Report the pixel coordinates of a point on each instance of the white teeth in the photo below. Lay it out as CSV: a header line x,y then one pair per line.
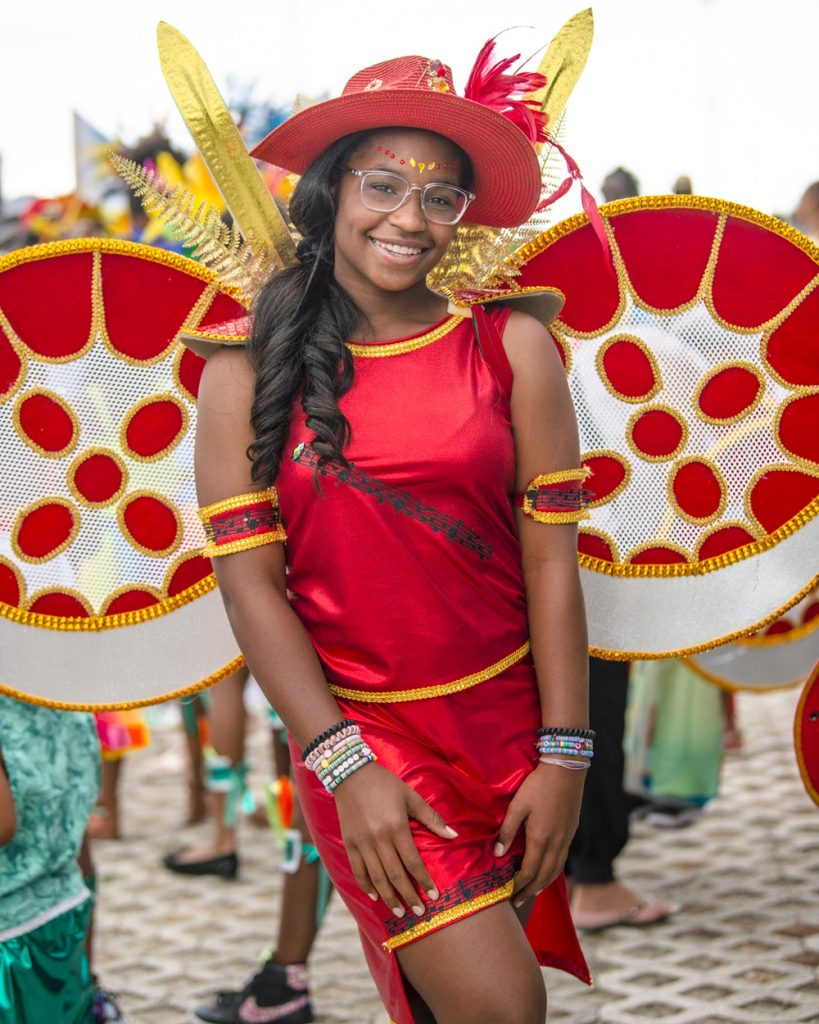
x,y
401,250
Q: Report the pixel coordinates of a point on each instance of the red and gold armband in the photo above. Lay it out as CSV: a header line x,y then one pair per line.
x,y
556,497
246,521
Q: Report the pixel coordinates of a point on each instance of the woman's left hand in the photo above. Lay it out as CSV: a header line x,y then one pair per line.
x,y
548,806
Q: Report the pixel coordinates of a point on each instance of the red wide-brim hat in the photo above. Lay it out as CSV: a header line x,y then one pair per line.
x,y
414,92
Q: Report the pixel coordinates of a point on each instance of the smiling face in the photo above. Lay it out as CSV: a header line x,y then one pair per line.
x,y
393,252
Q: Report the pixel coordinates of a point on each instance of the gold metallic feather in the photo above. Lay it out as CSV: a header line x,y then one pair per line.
x,y
563,64
198,226
222,147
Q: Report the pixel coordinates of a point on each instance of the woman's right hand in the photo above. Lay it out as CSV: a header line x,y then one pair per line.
x,y
374,808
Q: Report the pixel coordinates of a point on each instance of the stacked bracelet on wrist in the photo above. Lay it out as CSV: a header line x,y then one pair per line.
x,y
562,746
337,754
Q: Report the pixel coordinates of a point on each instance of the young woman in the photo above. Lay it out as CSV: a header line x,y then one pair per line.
x,y
420,625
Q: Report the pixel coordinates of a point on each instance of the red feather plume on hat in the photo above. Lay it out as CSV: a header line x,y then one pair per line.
x,y
491,85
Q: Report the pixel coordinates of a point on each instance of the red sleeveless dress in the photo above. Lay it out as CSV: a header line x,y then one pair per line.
x,y
405,571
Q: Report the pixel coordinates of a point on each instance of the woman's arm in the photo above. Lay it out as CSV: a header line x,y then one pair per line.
x,y
373,804
546,440
8,816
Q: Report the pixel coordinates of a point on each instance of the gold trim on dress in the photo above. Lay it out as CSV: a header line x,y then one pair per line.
x,y
487,899
399,348
441,690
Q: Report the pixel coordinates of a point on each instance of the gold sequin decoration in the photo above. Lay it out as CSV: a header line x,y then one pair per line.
x,y
129,705
238,501
672,497
69,540
86,453
612,390
445,917
150,552
724,525
781,639
399,348
809,469
211,550
558,477
22,354
441,690
29,442
141,404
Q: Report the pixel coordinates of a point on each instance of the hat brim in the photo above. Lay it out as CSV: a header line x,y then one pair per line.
x,y
507,171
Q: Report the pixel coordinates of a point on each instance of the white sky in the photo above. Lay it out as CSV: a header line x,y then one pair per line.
x,y
723,90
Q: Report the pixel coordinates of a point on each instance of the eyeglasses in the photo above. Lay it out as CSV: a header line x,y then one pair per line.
x,y
384,191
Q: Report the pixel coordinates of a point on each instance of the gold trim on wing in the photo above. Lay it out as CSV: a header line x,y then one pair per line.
x,y
445,917
612,655
188,691
729,687
222,147
399,348
797,737
96,623
441,690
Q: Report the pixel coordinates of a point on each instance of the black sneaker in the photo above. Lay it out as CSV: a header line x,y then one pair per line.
x,y
277,993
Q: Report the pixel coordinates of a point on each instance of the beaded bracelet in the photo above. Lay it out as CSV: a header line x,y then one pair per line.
x,y
586,734
332,774
567,746
326,735
328,748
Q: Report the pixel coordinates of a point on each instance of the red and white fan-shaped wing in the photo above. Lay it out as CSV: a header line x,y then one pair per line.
x,y
778,656
694,371
105,598
806,734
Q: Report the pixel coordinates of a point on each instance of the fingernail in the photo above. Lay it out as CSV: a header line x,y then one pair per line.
x,y
372,896
519,903
450,832
498,849
433,894
398,911
418,911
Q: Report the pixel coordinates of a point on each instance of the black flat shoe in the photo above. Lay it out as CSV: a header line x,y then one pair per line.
x,y
226,865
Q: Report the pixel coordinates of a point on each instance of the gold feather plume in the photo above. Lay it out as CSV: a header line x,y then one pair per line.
x,y
481,259
198,226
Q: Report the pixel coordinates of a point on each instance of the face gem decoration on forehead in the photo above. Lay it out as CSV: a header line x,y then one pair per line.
x,y
421,166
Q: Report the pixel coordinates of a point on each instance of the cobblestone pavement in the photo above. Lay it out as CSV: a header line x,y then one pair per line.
x,y
743,950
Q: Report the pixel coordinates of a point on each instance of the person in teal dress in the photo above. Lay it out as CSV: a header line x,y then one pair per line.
x,y
49,777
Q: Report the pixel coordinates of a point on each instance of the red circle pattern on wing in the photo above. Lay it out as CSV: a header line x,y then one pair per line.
x,y
40,532
46,423
153,428
658,555
729,393
98,478
9,586
50,312
799,427
666,252
10,365
811,612
729,538
151,523
62,605
595,547
130,601
628,369
697,489
778,628
807,729
576,266
657,434
793,348
757,274
162,295
188,573
779,495
190,372
607,474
